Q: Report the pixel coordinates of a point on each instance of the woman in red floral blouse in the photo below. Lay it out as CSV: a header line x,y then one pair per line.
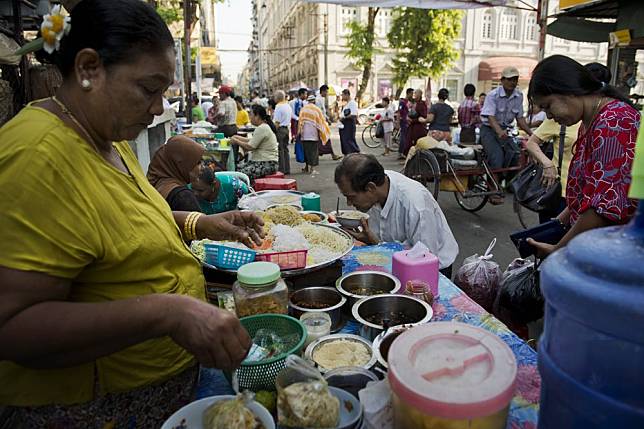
x,y
600,171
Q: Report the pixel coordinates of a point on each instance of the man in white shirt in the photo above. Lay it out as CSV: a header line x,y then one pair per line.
x,y
320,102
400,209
296,105
282,119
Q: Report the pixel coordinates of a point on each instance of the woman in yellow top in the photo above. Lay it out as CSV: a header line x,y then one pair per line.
x,y
242,114
103,318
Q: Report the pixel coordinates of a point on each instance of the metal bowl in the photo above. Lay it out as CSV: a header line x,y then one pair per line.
x,y
323,216
348,222
350,378
323,295
355,284
310,350
383,342
414,309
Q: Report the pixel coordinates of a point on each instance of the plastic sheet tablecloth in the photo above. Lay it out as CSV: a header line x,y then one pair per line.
x,y
453,304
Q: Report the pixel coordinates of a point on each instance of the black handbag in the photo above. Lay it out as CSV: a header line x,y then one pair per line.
x,y
380,130
529,191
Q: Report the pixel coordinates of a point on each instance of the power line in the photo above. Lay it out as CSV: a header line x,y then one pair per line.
x,y
267,50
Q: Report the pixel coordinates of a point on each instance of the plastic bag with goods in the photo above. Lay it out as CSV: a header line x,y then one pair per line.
x,y
267,344
303,397
520,299
231,413
479,277
377,403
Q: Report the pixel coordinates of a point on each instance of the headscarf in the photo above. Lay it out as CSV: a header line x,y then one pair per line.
x,y
205,106
171,165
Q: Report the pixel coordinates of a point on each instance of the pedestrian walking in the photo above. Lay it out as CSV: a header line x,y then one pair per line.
x,y
312,128
403,112
469,115
325,148
349,117
227,116
296,105
282,119
417,120
387,121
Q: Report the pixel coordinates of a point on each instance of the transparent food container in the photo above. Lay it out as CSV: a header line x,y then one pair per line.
x,y
260,289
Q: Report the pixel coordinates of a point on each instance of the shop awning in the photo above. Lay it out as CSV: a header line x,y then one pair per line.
x,y
491,68
419,4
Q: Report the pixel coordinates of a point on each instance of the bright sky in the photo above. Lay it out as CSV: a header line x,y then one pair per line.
x,y
233,29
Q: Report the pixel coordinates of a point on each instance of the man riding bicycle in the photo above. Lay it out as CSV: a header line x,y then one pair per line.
x,y
502,106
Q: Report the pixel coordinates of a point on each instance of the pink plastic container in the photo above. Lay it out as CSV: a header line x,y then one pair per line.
x,y
451,375
424,268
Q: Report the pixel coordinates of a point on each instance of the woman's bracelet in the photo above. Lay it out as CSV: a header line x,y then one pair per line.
x,y
190,225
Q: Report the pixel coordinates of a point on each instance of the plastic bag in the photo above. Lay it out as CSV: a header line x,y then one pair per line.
x,y
231,413
479,277
520,293
303,397
377,404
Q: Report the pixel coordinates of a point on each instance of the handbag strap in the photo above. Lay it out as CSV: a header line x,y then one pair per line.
x,y
562,137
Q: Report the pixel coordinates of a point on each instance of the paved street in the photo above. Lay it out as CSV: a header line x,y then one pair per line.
x,y
473,231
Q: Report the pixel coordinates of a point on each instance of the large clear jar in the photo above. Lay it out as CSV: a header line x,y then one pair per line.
x,y
260,289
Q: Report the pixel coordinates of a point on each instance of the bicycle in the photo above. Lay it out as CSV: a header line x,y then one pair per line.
x,y
370,140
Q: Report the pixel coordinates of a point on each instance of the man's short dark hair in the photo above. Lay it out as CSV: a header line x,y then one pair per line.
x,y
324,87
469,90
385,99
302,91
346,92
409,91
482,94
360,169
443,94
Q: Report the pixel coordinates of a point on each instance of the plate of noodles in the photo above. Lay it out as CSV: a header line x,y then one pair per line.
x,y
288,230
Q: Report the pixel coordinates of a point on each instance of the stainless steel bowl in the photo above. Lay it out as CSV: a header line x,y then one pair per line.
x,y
414,309
323,216
350,378
324,295
349,222
353,285
383,342
310,350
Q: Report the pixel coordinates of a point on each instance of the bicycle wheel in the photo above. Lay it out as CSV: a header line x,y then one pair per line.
x,y
368,137
527,218
424,168
471,200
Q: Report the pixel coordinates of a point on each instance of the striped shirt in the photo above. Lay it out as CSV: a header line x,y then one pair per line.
x,y
469,113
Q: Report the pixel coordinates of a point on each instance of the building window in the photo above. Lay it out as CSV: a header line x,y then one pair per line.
x,y
347,15
488,25
452,87
383,23
531,30
509,25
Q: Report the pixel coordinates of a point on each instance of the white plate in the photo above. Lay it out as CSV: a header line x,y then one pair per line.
x,y
193,413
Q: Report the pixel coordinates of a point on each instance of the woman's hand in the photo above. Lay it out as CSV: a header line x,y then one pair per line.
x,y
366,235
246,227
214,336
543,249
549,175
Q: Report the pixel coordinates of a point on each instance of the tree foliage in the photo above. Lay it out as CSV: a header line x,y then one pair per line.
x,y
424,42
360,42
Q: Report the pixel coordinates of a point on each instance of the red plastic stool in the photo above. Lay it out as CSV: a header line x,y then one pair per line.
x,y
278,175
266,184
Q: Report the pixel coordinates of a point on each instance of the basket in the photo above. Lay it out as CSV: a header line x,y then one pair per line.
x,y
286,260
228,258
257,376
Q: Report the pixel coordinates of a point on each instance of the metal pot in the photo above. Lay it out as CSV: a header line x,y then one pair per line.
x,y
310,350
354,285
414,309
323,295
383,341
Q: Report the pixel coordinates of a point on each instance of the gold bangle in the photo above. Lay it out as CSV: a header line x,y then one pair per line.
x,y
194,225
187,226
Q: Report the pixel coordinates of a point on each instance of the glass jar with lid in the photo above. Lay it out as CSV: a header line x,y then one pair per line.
x,y
260,289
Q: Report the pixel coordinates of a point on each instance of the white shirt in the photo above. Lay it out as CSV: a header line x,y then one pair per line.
x,y
388,126
353,107
411,214
321,103
282,115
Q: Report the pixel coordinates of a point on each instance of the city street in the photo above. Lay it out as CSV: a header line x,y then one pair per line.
x,y
473,231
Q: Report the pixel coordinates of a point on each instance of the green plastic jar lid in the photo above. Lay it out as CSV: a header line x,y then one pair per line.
x,y
258,273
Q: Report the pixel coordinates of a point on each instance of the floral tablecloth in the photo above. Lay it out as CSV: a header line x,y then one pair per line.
x,y
452,304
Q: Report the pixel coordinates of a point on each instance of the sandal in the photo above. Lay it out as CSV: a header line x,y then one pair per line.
x,y
496,200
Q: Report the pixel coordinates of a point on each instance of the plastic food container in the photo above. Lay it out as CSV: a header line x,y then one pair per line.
x,y
260,289
451,375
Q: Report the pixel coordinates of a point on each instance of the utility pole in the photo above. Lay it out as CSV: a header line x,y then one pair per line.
x,y
187,72
326,45
542,20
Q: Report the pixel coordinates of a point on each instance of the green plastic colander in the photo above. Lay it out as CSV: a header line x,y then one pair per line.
x,y
261,375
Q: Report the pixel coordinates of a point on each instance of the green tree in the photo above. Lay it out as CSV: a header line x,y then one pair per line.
x,y
360,43
424,42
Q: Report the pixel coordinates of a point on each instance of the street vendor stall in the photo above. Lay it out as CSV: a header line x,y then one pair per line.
x,y
452,305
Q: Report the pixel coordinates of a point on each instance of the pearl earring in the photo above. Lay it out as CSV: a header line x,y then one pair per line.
x,y
85,83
